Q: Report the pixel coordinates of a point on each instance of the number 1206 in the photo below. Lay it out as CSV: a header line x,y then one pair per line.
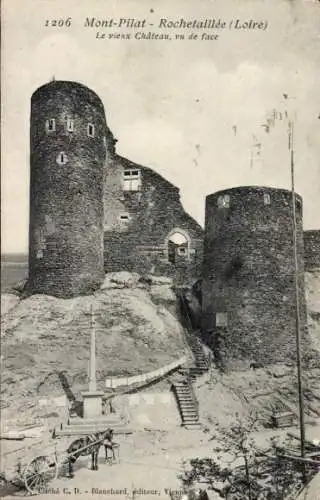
x,y
58,23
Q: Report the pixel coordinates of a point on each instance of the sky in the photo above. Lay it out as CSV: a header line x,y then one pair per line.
x,y
195,111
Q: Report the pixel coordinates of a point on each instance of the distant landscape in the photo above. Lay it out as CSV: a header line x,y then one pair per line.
x,y
14,268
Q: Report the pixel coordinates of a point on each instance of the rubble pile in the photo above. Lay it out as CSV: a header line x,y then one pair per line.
x,y
262,392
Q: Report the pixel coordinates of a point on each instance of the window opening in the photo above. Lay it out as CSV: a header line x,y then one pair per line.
x,y
131,180
182,251
90,130
221,319
224,201
51,125
124,217
70,126
62,158
266,199
178,247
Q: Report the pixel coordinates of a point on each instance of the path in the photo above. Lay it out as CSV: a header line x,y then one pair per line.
x,y
145,464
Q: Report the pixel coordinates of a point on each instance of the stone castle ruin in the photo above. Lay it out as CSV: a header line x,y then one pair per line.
x,y
93,211
249,273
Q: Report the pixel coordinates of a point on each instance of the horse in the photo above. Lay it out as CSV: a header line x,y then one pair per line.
x,y
109,444
87,445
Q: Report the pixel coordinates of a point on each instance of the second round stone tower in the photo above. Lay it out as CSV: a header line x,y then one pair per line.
x,y
248,290
67,154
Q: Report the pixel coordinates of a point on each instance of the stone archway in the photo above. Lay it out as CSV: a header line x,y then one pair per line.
x,y
177,245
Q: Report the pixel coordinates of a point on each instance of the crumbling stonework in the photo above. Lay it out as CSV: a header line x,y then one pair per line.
x,y
248,289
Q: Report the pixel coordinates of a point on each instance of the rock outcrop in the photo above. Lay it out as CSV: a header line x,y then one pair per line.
x,y
46,340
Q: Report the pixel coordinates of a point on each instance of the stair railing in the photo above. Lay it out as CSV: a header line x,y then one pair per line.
x,y
189,331
186,313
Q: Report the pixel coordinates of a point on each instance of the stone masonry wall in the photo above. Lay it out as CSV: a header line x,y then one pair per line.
x,y
248,276
311,249
66,199
140,242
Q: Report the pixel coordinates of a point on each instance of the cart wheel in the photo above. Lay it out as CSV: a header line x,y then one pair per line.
x,y
39,473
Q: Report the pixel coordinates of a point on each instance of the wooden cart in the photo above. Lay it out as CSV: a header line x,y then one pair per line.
x,y
43,469
39,472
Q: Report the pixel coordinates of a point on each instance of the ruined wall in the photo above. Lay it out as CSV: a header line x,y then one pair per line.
x,y
139,219
311,249
67,153
248,288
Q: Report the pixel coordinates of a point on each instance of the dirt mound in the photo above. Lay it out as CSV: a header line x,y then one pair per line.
x,y
47,340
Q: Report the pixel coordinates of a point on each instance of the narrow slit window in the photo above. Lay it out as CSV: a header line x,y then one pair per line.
x,y
91,130
266,199
70,125
62,158
50,125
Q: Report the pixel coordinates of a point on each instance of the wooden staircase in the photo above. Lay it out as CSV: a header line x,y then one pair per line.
x,y
183,388
187,402
201,364
192,336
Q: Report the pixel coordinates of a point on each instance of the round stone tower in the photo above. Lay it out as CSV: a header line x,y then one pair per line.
x,y
67,154
248,288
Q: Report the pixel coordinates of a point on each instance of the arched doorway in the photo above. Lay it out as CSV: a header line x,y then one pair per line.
x,y
178,246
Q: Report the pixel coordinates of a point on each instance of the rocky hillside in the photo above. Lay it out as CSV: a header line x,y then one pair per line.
x,y
46,341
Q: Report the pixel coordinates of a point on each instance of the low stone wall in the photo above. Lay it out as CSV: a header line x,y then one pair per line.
x,y
311,241
114,382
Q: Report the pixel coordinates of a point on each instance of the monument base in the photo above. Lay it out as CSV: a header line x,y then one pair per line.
x,y
92,404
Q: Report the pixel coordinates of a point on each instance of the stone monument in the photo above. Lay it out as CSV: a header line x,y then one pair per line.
x,y
92,399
